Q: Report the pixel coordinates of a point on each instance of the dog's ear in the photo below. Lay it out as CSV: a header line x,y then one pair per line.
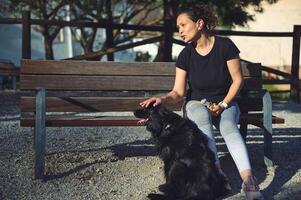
x,y
163,111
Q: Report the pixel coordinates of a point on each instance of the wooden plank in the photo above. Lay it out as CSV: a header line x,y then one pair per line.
x,y
104,121
6,65
73,82
252,83
251,69
61,121
257,119
26,34
295,89
249,104
93,83
112,104
87,104
11,72
73,67
8,68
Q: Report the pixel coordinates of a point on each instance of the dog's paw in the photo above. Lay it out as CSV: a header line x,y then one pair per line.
x,y
153,196
166,188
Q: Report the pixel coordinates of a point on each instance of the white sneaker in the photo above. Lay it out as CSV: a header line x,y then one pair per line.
x,y
251,189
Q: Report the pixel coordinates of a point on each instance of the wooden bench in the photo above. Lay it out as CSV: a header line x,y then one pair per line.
x,y
83,87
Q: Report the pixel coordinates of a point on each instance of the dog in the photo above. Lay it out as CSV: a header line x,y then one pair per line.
x,y
189,165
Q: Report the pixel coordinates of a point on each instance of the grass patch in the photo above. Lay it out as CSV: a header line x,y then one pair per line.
x,y
276,94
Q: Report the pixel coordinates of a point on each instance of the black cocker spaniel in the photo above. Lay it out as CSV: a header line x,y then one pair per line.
x,y
189,165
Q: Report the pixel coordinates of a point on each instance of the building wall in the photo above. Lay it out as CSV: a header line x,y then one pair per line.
x,y
271,51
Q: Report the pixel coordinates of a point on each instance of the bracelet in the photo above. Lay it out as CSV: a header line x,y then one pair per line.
x,y
223,104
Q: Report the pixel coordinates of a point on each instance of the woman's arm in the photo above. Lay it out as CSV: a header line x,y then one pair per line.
x,y
179,88
175,95
237,79
237,82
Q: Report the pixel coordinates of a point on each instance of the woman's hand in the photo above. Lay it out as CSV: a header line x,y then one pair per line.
x,y
155,100
216,109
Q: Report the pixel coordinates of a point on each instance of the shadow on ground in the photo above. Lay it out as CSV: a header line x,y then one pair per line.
x,y
285,148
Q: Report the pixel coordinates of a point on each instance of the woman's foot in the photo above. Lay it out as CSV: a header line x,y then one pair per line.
x,y
251,189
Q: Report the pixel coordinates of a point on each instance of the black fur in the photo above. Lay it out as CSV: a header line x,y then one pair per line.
x,y
189,167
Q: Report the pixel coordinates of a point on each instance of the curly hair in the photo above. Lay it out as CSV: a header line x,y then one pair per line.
x,y
201,11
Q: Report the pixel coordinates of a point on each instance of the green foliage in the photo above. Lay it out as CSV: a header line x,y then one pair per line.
x,y
228,12
53,9
283,96
147,12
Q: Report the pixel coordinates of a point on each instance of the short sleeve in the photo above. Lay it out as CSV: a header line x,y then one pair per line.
x,y
182,60
232,51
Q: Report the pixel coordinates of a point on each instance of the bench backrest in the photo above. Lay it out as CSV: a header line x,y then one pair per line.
x,y
93,86
8,69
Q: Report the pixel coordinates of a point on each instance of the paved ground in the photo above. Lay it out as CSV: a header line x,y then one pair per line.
x,y
120,163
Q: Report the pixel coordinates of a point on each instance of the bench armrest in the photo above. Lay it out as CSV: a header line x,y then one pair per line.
x,y
267,110
267,127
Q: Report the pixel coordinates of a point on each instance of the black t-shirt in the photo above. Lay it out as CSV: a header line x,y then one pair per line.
x,y
208,76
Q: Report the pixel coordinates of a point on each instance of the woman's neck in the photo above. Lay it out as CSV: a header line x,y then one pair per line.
x,y
204,41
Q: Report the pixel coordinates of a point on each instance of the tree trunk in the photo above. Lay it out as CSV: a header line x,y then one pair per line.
x,y
48,48
165,47
47,43
160,54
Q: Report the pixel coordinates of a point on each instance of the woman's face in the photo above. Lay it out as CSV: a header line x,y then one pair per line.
x,y
188,29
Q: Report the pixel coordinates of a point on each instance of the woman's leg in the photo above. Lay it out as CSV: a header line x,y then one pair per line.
x,y
227,124
199,114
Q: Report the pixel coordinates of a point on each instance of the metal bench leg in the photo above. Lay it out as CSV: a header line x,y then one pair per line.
x,y
267,128
40,134
1,83
14,82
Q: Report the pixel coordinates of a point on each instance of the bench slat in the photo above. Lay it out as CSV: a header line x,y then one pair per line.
x,y
72,67
257,119
61,121
93,83
87,104
250,104
8,69
107,104
251,69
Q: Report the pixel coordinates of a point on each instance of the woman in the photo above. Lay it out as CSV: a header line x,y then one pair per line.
x,y
211,66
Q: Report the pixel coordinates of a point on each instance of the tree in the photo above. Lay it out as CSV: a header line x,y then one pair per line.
x,y
107,11
46,10
228,12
